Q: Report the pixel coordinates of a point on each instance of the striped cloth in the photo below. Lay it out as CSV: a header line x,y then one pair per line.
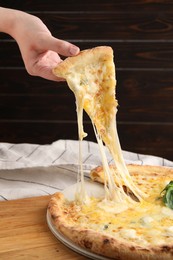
x,y
28,170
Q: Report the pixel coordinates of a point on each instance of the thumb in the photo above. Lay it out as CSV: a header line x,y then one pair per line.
x,y
61,47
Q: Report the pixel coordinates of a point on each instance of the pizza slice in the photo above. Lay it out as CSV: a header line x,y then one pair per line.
x,y
91,76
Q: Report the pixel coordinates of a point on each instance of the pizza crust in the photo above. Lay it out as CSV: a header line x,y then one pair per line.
x,y
157,175
97,54
105,244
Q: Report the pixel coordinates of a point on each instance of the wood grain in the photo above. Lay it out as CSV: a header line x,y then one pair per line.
x,y
144,96
24,232
104,5
146,138
126,54
39,111
108,25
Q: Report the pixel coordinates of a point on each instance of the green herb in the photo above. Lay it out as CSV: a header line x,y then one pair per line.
x,y
168,195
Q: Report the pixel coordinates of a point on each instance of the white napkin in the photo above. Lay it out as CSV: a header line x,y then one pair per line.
x,y
28,170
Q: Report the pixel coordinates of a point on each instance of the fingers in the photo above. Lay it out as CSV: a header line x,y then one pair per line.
x,y
47,74
43,66
44,56
44,72
64,48
61,47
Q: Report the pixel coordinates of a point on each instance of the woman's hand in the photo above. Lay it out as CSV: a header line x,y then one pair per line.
x,y
39,49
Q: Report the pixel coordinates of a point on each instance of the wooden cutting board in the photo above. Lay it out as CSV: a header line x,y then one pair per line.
x,y
24,233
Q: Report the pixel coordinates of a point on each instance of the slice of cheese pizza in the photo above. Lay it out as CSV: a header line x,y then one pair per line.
x,y
91,76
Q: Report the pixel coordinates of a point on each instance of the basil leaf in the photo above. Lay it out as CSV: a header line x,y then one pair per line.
x,y
168,195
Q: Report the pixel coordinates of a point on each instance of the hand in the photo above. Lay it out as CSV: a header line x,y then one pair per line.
x,y
39,49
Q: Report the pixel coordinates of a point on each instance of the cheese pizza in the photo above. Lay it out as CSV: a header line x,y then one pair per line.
x,y
91,76
123,223
143,231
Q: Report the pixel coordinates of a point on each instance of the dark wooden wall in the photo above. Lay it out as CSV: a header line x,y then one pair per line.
x,y
141,33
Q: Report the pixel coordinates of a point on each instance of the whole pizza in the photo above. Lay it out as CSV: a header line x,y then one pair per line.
x,y
143,231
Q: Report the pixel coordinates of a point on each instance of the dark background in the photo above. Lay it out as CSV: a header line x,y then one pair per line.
x,y
35,110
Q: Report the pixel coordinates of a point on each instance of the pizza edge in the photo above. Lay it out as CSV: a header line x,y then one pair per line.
x,y
97,174
104,244
83,58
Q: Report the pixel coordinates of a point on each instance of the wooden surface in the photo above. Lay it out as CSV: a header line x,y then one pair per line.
x,y
39,111
24,233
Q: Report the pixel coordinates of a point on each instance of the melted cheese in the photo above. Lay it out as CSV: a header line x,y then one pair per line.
x,y
115,215
141,223
94,89
81,193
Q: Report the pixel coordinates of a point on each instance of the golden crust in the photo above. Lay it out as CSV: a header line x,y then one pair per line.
x,y
105,244
148,172
101,53
97,173
146,177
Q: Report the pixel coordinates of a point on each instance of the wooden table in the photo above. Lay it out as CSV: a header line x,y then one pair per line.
x,y
24,233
